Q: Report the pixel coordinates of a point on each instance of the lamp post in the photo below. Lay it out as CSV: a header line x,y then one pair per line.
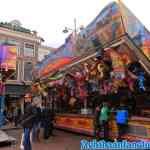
x,y
67,29
75,29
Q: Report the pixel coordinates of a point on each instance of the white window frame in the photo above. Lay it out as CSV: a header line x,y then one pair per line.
x,y
24,46
23,78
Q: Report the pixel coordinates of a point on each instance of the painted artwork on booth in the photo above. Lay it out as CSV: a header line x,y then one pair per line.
x,y
106,27
62,56
111,24
136,30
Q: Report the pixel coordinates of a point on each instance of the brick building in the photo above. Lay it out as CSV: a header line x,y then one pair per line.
x,y
27,43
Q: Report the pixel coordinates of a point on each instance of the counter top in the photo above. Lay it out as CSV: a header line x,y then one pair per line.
x,y
75,115
138,118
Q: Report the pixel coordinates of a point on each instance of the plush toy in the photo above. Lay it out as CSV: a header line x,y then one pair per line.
x,y
78,76
86,71
117,84
130,83
141,80
107,86
72,101
100,68
130,79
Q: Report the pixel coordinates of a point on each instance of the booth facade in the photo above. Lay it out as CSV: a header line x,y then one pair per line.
x,y
110,58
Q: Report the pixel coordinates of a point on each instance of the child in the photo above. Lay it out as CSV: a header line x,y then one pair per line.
x,y
122,120
104,119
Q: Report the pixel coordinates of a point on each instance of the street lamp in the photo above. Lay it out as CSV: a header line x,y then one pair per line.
x,y
66,29
74,30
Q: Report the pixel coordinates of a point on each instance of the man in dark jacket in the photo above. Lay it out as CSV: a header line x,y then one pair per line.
x,y
47,122
27,124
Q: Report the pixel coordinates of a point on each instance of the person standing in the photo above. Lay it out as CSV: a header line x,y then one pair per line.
x,y
37,121
27,124
122,120
26,121
52,119
96,122
46,121
2,101
104,120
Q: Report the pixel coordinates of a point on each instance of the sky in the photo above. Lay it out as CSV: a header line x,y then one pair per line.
x,y
49,17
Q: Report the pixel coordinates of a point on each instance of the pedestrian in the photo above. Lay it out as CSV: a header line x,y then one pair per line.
x,y
37,121
96,122
2,100
122,120
46,124
104,120
27,124
52,119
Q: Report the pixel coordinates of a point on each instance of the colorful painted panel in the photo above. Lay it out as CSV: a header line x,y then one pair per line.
x,y
8,56
62,56
106,27
137,129
58,63
75,123
136,30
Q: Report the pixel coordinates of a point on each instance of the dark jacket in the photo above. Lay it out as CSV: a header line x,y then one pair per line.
x,y
47,117
28,117
96,118
37,113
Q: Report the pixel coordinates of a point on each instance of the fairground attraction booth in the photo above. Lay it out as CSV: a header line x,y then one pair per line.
x,y
109,60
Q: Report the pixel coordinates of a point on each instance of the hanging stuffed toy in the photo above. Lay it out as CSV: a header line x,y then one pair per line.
x,y
93,70
107,86
34,88
100,68
130,79
78,76
116,84
141,80
86,71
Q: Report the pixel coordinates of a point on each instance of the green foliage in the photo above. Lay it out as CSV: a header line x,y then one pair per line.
x,y
15,28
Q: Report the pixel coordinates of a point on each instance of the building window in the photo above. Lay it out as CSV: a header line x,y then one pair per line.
x,y
2,41
28,50
11,43
28,68
11,74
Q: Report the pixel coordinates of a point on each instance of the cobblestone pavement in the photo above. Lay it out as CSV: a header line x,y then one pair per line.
x,y
61,141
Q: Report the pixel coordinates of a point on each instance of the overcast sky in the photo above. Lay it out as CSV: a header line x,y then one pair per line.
x,y
49,17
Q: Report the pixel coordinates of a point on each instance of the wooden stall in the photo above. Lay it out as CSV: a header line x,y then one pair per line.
x,y
118,58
